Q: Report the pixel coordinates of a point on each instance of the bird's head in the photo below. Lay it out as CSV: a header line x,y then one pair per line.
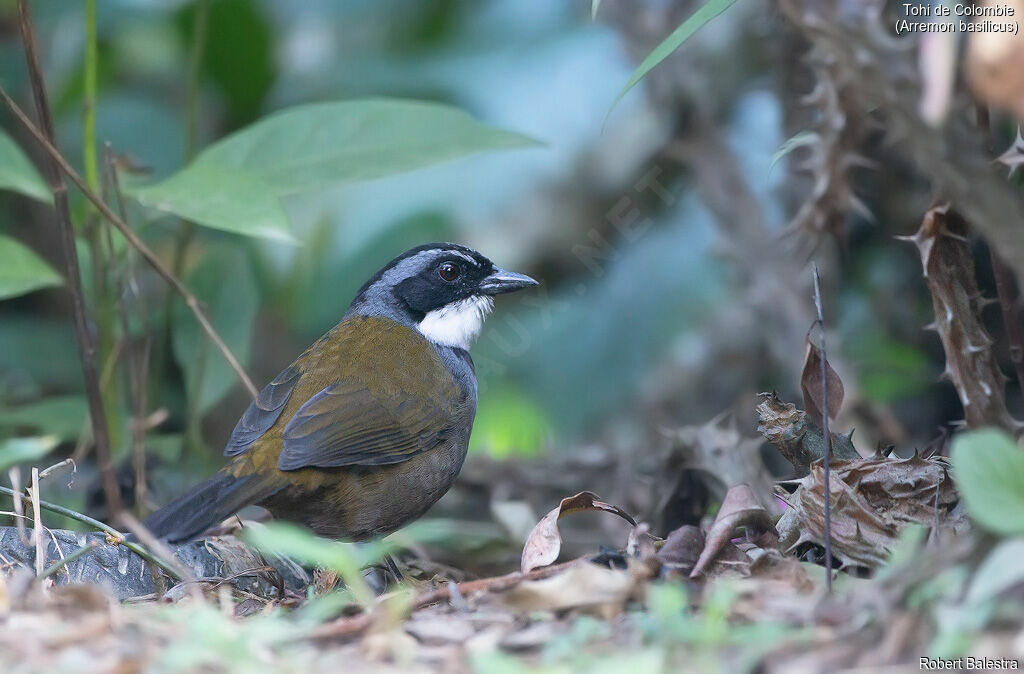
x,y
444,289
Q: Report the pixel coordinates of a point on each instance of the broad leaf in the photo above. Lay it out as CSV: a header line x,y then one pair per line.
x,y
22,271
1000,572
18,174
235,184
312,146
223,281
225,198
63,416
23,450
708,11
988,467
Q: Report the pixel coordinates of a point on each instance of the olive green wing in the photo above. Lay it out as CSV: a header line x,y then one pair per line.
x,y
351,423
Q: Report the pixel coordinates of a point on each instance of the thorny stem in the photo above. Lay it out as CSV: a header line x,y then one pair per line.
x,y
86,345
828,436
1005,286
129,234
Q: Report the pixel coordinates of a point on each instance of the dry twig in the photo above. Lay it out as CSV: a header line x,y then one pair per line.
x,y
86,345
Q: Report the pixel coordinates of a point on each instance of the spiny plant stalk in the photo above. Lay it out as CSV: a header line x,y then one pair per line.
x,y
828,436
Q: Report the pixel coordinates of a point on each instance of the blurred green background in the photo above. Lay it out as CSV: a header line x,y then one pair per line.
x,y
650,314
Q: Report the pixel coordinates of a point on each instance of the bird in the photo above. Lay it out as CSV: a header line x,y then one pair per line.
x,y
370,425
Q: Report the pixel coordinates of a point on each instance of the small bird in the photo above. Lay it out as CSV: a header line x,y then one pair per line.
x,y
369,427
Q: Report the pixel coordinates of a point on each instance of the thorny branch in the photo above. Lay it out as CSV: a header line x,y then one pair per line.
x,y
970,359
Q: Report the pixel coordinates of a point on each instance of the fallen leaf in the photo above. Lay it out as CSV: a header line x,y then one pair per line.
x,y
595,588
740,508
544,542
810,385
682,549
872,500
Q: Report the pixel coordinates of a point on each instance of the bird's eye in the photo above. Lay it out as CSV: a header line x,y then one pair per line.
x,y
449,271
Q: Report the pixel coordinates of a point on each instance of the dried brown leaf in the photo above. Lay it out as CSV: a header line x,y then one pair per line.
x,y
682,549
545,541
872,500
740,508
810,385
587,586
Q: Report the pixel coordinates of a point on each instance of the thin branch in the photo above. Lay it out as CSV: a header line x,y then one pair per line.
x,y
138,363
37,520
86,345
143,534
133,239
828,436
117,538
61,563
353,625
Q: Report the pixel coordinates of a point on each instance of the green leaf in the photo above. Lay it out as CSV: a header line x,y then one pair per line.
x,y
18,174
22,271
708,11
282,539
62,416
225,198
309,147
235,184
989,470
224,282
23,450
1001,571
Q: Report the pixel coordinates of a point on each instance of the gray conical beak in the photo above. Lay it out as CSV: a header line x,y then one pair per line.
x,y
501,281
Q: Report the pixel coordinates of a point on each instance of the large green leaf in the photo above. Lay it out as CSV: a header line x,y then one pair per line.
x,y
22,271
708,11
226,198
18,174
234,184
989,470
224,282
63,416
24,450
311,146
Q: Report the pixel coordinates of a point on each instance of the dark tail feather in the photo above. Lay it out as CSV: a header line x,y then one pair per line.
x,y
207,504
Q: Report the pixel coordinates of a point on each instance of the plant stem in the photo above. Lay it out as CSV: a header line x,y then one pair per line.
x,y
192,99
98,256
86,345
60,564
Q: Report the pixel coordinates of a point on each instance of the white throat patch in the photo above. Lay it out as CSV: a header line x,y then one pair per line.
x,y
457,324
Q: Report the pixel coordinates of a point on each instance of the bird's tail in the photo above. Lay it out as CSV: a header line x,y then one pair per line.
x,y
212,501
